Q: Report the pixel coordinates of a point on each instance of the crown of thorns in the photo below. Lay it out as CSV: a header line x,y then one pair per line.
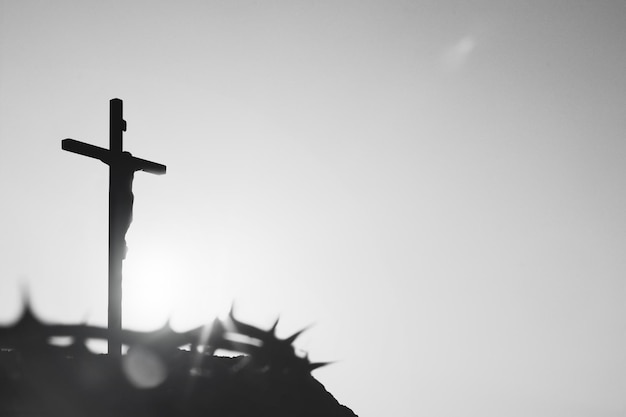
x,y
264,351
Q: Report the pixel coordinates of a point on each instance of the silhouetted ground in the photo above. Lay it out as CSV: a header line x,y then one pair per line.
x,y
156,378
53,384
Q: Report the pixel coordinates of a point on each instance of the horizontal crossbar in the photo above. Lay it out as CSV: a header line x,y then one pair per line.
x,y
107,157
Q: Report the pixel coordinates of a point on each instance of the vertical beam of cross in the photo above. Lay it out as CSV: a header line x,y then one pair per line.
x,y
122,167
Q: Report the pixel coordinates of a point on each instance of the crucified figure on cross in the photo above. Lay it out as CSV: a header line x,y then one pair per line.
x,y
122,168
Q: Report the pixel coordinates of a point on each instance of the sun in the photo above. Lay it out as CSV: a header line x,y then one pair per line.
x,y
158,287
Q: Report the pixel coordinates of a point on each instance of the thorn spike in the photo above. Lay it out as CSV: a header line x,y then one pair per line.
x,y
294,336
317,365
273,329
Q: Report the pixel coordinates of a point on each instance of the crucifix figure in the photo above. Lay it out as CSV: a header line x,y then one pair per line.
x,y
122,167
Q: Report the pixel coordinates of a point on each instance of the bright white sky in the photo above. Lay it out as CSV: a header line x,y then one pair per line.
x,y
439,186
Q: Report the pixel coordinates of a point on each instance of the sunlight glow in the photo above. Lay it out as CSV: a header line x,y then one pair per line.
x,y
157,288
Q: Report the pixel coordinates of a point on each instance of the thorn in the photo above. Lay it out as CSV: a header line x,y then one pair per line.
x,y
294,336
28,315
167,326
273,329
26,301
317,365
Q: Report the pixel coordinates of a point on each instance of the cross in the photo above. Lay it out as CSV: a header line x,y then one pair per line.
x,y
122,167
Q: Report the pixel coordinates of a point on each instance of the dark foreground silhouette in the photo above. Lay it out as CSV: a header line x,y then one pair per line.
x,y
156,377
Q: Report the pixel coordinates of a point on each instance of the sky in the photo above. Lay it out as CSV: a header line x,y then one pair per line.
x,y
439,187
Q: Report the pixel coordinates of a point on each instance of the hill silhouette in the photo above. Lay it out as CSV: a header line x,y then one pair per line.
x,y
157,377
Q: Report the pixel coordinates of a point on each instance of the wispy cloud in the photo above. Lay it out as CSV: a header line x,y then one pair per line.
x,y
456,55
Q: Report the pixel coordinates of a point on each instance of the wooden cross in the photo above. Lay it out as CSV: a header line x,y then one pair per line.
x,y
122,167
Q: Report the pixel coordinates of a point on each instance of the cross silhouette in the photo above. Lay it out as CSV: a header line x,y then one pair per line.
x,y
122,167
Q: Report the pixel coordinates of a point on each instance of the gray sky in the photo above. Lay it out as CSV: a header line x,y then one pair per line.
x,y
439,186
